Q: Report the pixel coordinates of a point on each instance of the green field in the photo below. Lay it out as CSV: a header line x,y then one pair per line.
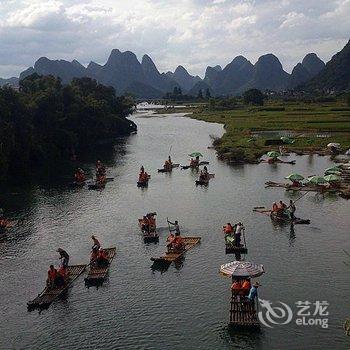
x,y
312,118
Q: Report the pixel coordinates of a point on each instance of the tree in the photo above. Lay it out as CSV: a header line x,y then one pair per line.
x,y
253,96
348,99
44,121
200,95
207,94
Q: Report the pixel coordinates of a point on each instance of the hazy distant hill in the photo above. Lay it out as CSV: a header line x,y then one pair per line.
x,y
307,69
183,78
335,76
125,73
10,81
122,70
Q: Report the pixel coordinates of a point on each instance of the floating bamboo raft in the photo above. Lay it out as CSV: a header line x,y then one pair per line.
x,y
282,219
300,188
279,161
189,242
243,313
97,275
149,237
232,249
47,296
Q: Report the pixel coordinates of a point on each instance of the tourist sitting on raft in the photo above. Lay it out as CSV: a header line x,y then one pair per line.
x,y
241,288
80,176
176,244
56,279
228,229
4,223
143,176
101,258
280,209
168,164
148,223
101,179
100,168
194,162
151,222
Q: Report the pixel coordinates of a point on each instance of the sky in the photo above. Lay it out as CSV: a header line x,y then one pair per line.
x,y
193,33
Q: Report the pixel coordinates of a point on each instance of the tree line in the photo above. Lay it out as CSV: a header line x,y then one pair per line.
x,y
45,121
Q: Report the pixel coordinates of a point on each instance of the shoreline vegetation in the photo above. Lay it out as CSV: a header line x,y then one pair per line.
x,y
251,131
47,124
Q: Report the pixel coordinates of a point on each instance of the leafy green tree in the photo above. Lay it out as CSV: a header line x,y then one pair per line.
x,y
44,120
253,96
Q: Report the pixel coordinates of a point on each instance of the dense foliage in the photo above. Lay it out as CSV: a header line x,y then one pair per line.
x,y
45,121
254,97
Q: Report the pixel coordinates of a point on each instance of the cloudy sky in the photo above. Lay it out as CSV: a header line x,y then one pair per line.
x,y
194,33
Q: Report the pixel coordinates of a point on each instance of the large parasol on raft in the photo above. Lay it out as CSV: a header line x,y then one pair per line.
x,y
273,154
196,154
332,178
317,180
242,269
295,177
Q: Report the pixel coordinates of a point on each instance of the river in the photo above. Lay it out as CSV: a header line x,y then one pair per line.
x,y
187,306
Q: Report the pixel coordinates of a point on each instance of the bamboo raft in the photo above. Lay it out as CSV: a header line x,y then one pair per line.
x,y
282,219
47,296
290,187
169,257
162,170
97,275
243,313
206,181
278,161
231,248
149,237
96,186
194,166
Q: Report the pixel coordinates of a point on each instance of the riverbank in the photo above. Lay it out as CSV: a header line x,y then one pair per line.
x,y
253,131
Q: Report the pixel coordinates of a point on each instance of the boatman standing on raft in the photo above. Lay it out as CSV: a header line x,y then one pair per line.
x,y
64,256
176,227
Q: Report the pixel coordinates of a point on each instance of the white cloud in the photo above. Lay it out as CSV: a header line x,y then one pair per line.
x,y
194,33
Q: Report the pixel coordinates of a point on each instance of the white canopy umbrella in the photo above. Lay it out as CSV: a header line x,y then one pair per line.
x,y
242,269
333,144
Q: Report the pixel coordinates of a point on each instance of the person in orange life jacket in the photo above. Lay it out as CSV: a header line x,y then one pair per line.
x,y
51,277
236,287
246,285
61,276
102,259
228,229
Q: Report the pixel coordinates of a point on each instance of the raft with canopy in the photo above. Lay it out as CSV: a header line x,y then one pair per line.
x,y
49,295
97,275
243,312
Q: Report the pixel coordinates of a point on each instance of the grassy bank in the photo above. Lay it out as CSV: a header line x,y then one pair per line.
x,y
309,121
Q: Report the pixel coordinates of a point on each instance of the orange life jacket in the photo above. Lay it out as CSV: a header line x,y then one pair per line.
x,y
62,271
236,285
52,274
246,285
102,255
228,229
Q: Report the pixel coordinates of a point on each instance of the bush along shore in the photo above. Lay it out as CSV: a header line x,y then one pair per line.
x,y
45,122
252,131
